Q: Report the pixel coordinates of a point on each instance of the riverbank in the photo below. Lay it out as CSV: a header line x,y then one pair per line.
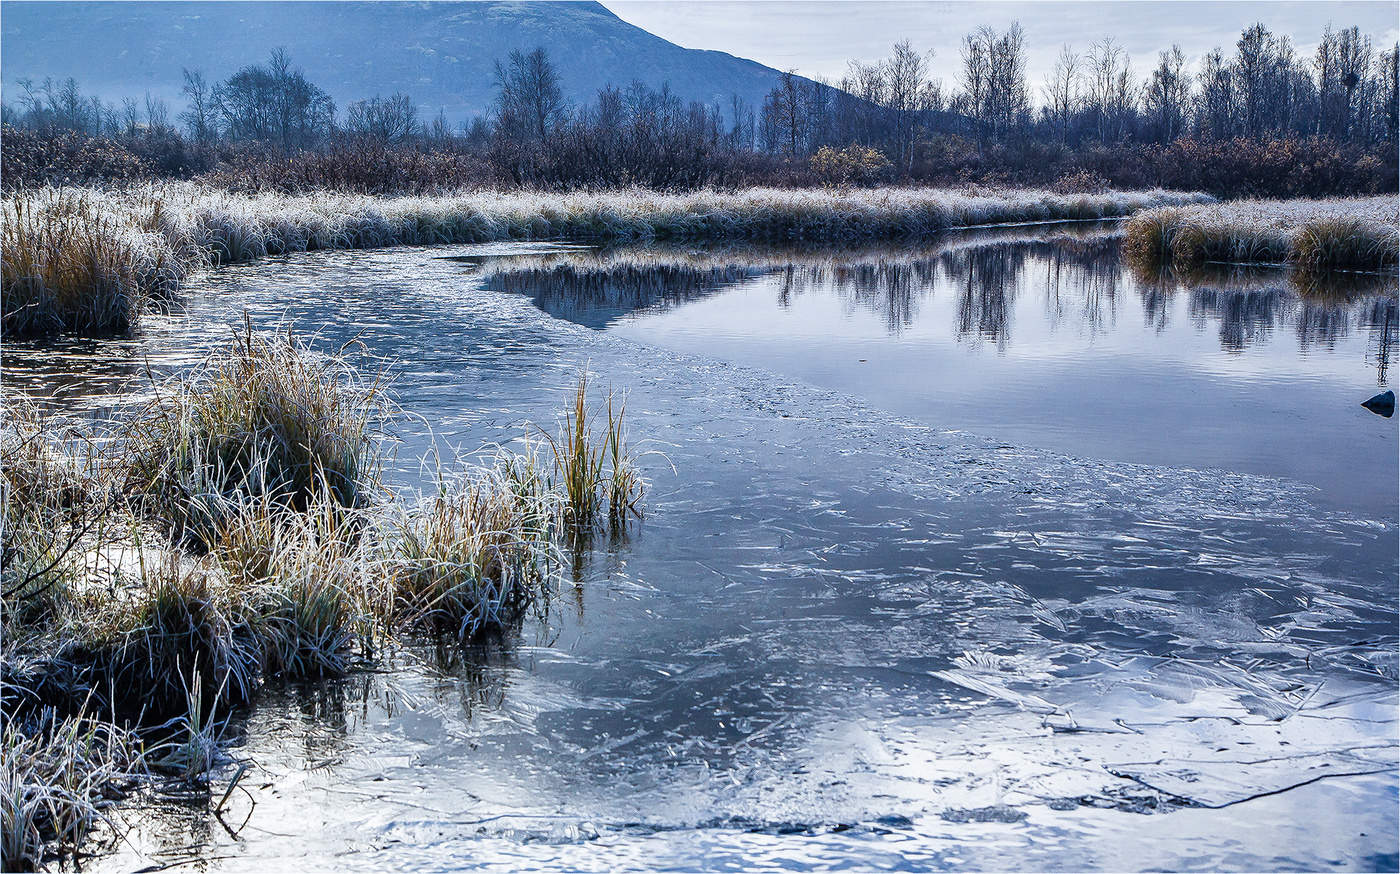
x,y
1357,233
90,261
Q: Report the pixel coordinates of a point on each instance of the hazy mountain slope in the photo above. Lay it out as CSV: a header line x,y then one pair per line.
x,y
440,53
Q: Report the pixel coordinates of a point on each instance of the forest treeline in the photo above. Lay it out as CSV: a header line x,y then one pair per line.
x,y
1262,120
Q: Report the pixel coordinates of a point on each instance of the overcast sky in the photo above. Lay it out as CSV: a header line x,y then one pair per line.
x,y
817,38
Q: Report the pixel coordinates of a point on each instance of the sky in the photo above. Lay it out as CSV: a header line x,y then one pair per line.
x,y
818,38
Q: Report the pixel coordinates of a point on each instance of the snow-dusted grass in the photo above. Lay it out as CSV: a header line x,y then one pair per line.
x,y
1359,233
231,530
88,260
56,776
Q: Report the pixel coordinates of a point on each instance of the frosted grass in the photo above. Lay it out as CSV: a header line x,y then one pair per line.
x,y
89,261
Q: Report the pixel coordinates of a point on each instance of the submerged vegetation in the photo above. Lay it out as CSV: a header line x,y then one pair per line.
x,y
1361,233
233,530
89,261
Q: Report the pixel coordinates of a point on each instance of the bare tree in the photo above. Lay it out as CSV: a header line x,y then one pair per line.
x,y
866,84
131,116
976,75
199,115
906,92
275,103
995,94
785,115
157,115
1110,93
1341,64
1008,95
1062,91
1215,101
390,121
1167,95
1388,72
529,102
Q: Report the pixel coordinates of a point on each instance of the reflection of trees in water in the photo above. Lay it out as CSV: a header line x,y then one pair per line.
x,y
1248,303
1321,324
986,280
1379,321
1156,297
592,296
1244,317
593,287
1082,277
889,289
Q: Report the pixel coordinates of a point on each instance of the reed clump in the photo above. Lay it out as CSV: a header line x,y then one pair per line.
x,y
265,419
1345,243
231,532
166,619
597,472
57,776
88,261
476,554
306,575
69,264
1342,234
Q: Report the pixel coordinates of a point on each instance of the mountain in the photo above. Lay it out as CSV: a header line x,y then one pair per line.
x,y
442,53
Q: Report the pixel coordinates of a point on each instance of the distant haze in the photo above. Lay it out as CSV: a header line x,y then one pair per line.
x,y
818,38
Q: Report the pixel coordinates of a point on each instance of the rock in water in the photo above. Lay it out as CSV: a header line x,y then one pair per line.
x,y
1382,404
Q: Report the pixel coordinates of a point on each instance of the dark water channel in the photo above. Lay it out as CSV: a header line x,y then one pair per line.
x,y
989,554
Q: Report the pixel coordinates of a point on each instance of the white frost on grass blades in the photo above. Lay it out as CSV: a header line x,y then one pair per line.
x,y
1346,232
86,260
1291,214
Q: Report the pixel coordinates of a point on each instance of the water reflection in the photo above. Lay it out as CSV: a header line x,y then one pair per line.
x,y
845,635
1079,276
1082,281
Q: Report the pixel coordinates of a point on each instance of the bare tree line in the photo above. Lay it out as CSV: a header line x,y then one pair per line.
x,y
1346,92
886,118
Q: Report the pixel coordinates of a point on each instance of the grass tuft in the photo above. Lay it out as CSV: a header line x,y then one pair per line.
x,y
597,473
265,418
57,775
1318,235
476,554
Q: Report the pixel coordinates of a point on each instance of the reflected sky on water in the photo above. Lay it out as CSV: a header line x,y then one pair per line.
x,y
1009,593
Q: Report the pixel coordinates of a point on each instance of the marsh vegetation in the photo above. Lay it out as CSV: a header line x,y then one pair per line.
x,y
1316,236
232,530
90,261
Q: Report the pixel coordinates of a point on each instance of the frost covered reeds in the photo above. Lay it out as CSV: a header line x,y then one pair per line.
x,y
230,532
1361,233
266,417
57,775
597,472
88,261
475,554
71,262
